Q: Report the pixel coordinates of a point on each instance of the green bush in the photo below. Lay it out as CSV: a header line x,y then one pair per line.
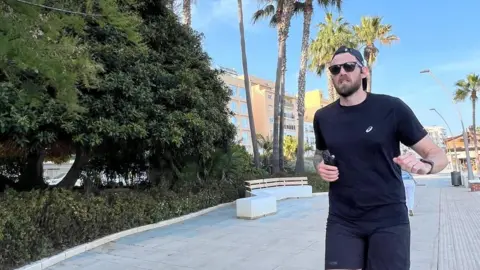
x,y
317,183
37,224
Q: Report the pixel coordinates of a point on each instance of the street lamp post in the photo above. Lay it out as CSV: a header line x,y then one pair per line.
x,y
465,136
451,134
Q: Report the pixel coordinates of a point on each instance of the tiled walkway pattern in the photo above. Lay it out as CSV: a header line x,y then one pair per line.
x,y
445,236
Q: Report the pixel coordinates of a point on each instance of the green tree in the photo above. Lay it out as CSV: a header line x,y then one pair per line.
x,y
187,94
290,146
370,31
307,18
266,145
152,105
467,88
280,13
117,110
332,33
42,61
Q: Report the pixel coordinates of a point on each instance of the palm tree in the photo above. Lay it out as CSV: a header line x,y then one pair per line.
x,y
187,12
369,31
266,144
307,19
170,4
281,122
280,13
468,88
256,156
332,33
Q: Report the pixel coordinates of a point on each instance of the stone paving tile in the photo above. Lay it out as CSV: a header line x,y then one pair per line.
x,y
445,236
459,230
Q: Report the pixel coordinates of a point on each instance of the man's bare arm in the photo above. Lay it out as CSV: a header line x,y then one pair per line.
x,y
317,158
427,149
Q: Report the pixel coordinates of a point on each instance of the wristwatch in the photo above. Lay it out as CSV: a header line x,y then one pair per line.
x,y
428,162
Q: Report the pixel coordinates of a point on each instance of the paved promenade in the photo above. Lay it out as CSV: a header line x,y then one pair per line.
x,y
445,236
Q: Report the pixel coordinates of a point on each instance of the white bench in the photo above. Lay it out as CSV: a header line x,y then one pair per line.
x,y
262,195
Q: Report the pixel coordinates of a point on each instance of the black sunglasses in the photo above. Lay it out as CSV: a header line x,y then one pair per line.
x,y
348,67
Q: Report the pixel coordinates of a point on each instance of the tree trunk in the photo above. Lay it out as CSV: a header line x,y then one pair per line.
x,y
32,174
6,182
81,159
285,12
281,132
253,134
474,100
276,99
307,18
332,93
369,79
170,4
187,12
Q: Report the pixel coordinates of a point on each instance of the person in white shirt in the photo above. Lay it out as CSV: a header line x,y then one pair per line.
x,y
409,183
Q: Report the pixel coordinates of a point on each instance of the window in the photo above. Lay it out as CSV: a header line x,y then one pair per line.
x,y
245,123
271,120
233,106
242,93
246,138
270,107
270,96
233,120
244,109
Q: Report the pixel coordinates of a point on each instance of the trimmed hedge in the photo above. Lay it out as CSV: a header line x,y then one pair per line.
x,y
38,224
317,183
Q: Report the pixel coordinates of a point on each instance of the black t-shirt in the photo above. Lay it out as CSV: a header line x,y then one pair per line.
x,y
364,139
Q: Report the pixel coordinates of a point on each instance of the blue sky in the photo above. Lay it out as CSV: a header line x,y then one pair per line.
x,y
448,44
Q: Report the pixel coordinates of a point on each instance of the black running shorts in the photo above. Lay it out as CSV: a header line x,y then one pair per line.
x,y
367,247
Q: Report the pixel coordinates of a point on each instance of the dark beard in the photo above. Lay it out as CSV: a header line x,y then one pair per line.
x,y
346,91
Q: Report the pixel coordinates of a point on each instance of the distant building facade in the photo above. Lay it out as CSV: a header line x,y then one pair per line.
x,y
262,93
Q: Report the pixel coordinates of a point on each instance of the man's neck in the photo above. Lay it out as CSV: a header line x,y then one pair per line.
x,y
356,98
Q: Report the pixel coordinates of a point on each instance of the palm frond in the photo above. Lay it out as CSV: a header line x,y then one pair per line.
x,y
462,91
298,7
332,33
266,12
274,20
325,4
467,88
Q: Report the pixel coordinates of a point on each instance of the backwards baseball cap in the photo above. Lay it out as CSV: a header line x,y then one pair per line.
x,y
357,55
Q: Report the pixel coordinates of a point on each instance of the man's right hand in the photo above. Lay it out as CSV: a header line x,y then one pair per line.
x,y
327,172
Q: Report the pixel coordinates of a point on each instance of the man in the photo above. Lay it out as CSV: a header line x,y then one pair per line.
x,y
368,224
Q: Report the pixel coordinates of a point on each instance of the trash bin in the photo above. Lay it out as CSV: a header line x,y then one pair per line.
x,y
456,178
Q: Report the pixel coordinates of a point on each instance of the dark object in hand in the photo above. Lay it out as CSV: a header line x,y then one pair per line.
x,y
328,158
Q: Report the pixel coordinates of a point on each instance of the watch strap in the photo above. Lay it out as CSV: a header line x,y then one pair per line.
x,y
428,162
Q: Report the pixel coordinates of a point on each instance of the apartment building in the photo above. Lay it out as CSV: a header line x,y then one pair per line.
x,y
238,105
438,135
262,95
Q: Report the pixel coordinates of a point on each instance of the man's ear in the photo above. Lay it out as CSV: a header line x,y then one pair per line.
x,y
364,72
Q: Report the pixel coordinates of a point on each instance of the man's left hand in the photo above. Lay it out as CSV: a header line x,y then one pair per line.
x,y
411,164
